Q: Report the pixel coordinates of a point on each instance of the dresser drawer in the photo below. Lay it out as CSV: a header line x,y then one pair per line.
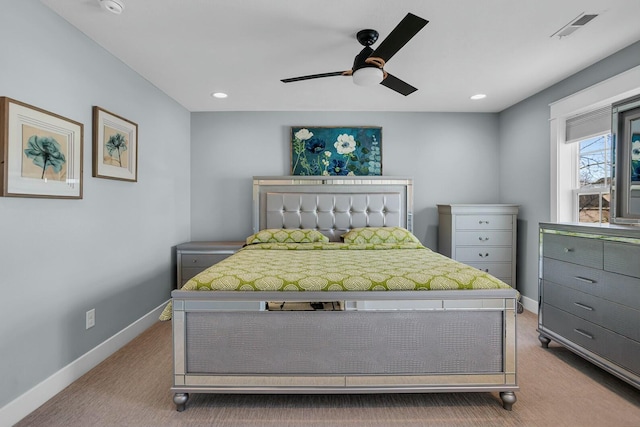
x,y
577,250
610,286
496,269
488,254
484,238
622,258
609,345
615,317
484,222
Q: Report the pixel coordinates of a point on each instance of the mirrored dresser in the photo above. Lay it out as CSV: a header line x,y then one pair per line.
x,y
589,294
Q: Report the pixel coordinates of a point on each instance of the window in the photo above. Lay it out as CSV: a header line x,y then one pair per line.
x,y
571,114
594,177
590,133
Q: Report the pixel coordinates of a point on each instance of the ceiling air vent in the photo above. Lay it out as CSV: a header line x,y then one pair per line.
x,y
572,26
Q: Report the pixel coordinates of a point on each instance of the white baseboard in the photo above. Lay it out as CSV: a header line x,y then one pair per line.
x,y
529,304
32,399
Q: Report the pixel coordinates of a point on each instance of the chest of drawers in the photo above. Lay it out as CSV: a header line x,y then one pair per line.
x,y
480,235
194,257
589,287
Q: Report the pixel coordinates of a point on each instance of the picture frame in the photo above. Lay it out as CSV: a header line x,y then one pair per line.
x,y
115,146
41,152
336,151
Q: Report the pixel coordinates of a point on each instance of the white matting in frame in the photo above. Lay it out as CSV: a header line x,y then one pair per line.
x,y
42,152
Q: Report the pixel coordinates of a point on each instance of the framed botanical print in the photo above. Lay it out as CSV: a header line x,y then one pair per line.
x,y
336,151
115,146
41,152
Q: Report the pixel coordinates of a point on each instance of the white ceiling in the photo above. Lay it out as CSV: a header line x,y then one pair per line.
x,y
503,48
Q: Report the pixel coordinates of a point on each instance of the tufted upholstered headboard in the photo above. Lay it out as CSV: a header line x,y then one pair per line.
x,y
332,205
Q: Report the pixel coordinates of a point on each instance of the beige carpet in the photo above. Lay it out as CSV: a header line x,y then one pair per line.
x,y
131,388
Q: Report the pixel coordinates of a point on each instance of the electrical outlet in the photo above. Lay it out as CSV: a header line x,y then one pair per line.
x,y
91,318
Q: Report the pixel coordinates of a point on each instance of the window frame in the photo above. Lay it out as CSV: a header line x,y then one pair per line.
x,y
600,190
564,157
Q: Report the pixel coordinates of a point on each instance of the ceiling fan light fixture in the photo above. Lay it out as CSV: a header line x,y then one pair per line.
x,y
368,76
113,6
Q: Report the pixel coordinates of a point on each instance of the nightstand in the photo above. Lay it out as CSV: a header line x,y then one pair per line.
x,y
194,257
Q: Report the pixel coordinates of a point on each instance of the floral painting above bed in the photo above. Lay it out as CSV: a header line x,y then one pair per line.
x,y
336,151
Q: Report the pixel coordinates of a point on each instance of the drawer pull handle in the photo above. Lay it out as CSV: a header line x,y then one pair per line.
x,y
586,307
483,239
584,279
567,250
583,333
483,222
483,255
194,261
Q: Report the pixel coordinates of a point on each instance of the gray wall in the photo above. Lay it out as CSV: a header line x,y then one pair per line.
x,y
452,157
525,157
112,250
463,158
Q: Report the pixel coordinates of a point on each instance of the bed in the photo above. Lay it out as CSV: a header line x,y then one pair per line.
x,y
334,294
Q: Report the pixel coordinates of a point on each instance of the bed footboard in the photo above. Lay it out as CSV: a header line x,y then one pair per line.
x,y
381,342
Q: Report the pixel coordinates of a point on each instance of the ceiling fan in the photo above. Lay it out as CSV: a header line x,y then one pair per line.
x,y
368,66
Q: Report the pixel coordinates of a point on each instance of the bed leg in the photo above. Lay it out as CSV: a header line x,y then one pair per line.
x,y
508,399
544,341
180,399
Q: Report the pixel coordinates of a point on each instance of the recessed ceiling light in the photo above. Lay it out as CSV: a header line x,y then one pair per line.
x,y
113,6
478,96
219,95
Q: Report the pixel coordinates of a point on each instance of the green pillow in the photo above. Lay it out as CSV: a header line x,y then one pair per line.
x,y
379,235
284,235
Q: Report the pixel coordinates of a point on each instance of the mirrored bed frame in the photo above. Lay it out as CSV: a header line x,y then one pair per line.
x,y
381,342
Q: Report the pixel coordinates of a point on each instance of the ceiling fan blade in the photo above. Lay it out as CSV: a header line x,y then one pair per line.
x,y
401,34
316,76
394,83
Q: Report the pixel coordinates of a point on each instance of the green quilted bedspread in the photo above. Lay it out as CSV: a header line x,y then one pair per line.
x,y
338,267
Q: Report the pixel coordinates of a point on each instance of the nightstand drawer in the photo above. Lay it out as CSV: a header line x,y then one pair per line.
x,y
484,222
202,260
195,257
484,238
489,254
188,272
615,317
611,346
577,250
192,264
